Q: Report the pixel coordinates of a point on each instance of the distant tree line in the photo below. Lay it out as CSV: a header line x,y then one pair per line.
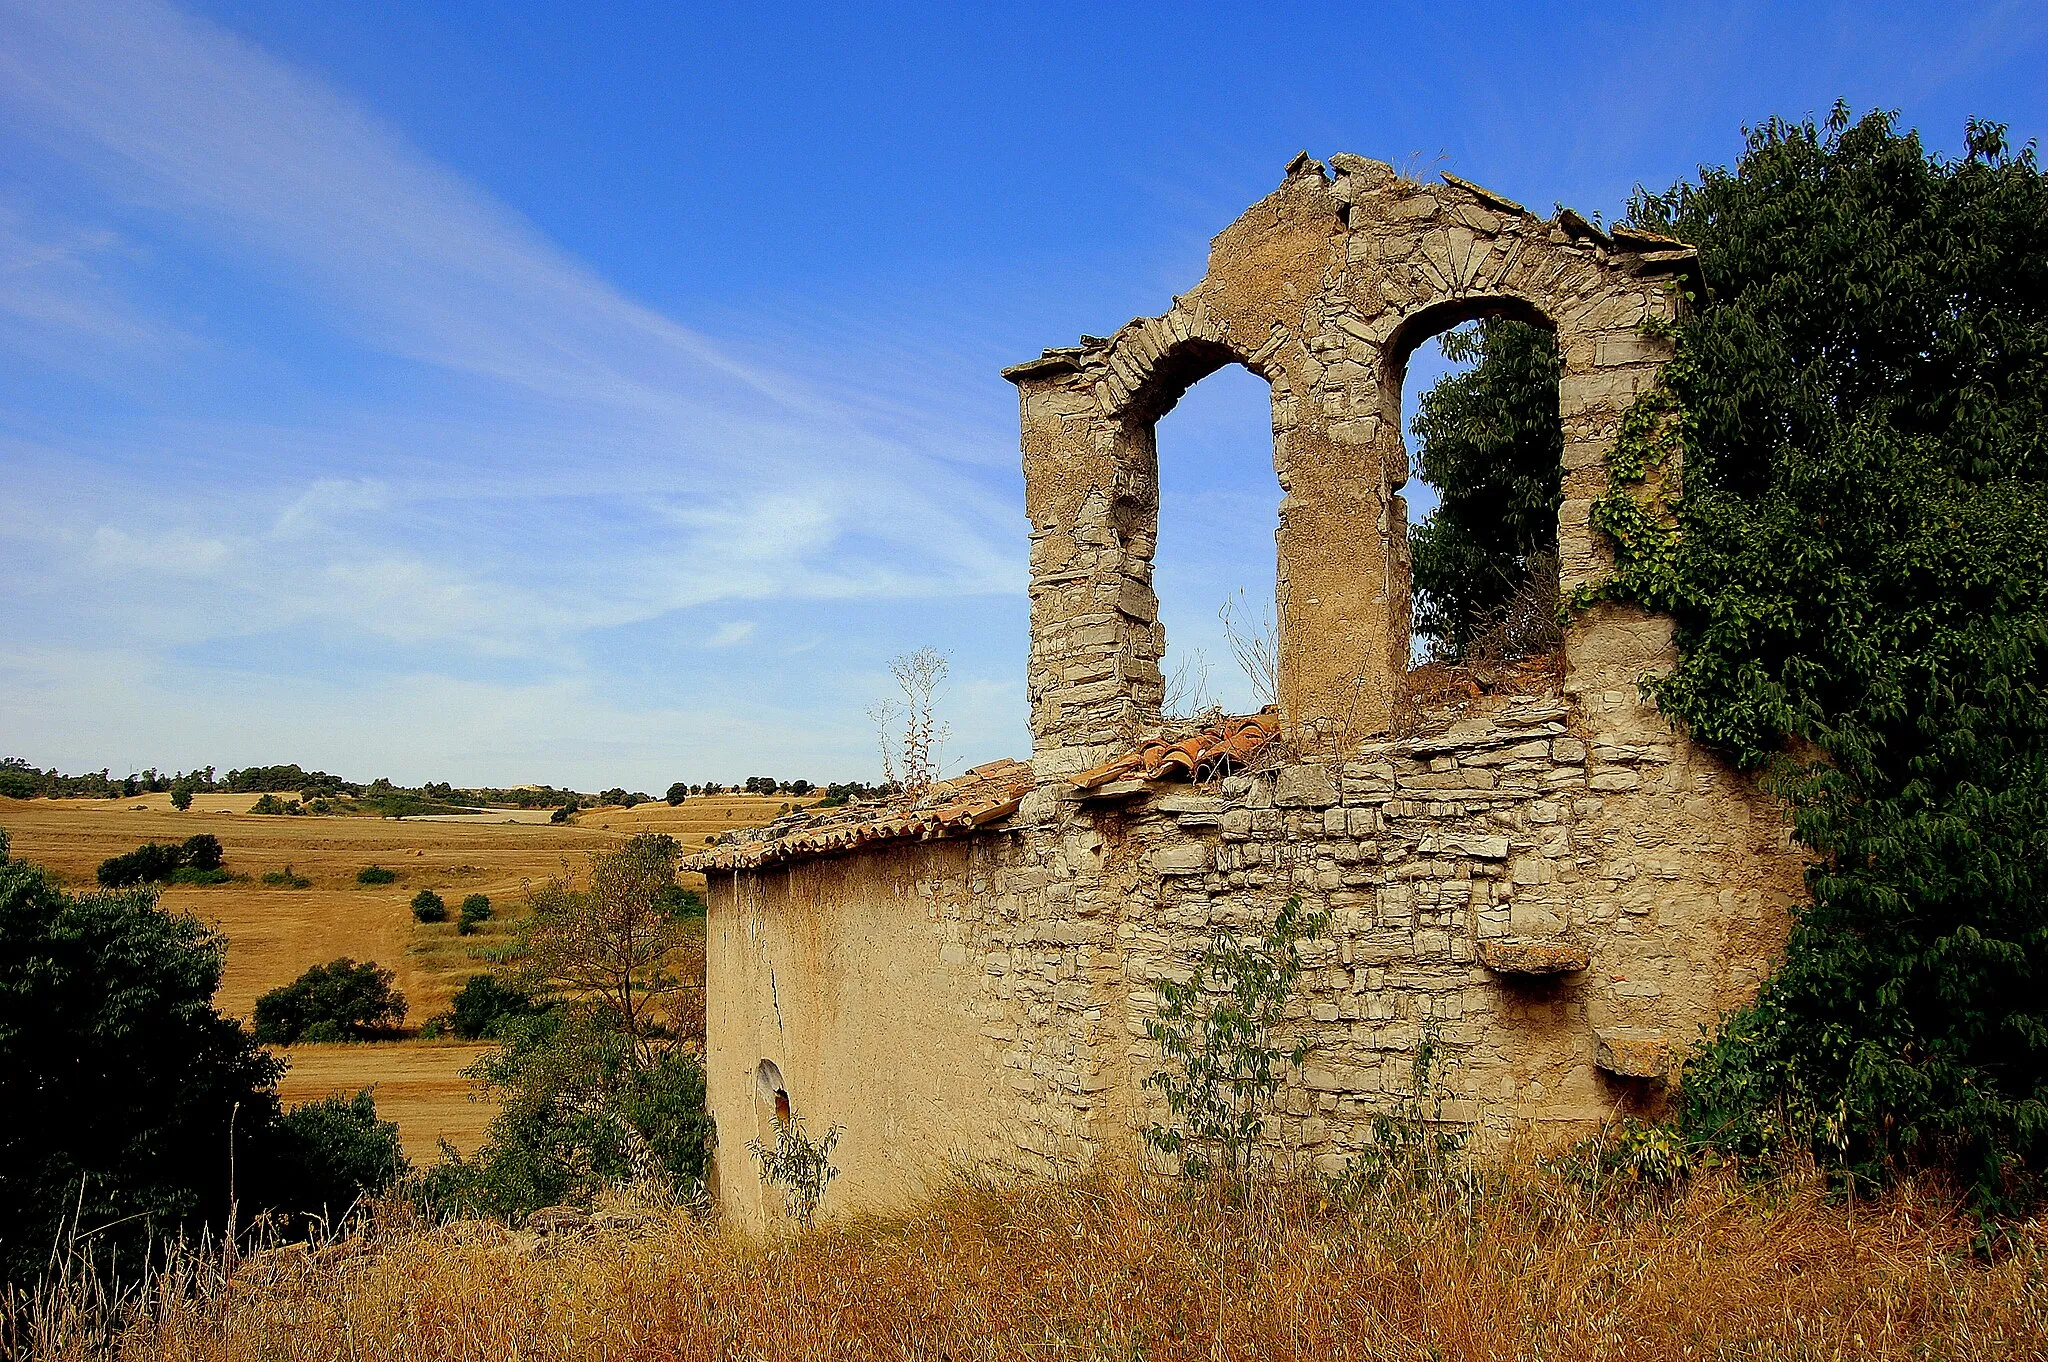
x,y
320,792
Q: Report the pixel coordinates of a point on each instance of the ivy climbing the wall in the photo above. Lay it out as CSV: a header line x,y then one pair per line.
x,y
1858,566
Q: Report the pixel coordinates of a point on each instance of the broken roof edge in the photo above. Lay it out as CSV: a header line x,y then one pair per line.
x,y
977,799
980,799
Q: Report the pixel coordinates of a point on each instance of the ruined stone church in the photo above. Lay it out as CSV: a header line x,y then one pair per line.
x,y
1541,871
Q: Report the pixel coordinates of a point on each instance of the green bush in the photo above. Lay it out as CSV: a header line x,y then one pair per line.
x,y
563,814
375,874
677,793
150,863
181,795
1859,570
340,1000
193,875
286,878
324,1157
1218,1031
476,910
203,852
118,1078
486,1006
580,1109
428,907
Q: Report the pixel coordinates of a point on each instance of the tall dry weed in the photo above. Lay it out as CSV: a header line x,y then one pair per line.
x,y
1528,1266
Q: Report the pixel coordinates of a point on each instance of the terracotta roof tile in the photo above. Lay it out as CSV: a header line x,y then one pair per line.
x,y
984,795
1222,746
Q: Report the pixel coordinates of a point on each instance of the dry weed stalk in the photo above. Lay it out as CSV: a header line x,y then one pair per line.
x,y
911,756
1521,1264
1255,640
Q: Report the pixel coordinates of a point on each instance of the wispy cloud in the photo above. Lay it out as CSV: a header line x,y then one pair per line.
x,y
729,633
561,459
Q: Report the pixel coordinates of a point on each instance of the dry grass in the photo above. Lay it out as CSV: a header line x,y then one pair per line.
x,y
1104,1268
275,933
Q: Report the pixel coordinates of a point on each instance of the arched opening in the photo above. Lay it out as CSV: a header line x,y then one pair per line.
x,y
1215,561
1478,393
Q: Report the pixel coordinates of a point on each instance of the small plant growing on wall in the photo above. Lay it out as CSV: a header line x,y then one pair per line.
x,y
1414,1145
798,1166
1218,1032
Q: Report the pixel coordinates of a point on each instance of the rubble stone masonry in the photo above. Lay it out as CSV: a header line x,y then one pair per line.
x,y
1548,875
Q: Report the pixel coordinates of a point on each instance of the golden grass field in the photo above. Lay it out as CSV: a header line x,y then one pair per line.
x,y
1524,1265
275,933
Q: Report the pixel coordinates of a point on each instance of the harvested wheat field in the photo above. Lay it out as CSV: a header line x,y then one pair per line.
x,y
1530,1267
275,932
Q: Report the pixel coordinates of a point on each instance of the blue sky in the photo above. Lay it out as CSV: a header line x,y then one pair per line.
x,y
603,394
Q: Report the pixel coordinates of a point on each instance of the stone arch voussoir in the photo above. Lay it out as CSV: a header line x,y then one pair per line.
x,y
1321,288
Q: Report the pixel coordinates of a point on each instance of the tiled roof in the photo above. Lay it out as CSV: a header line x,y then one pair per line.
x,y
985,795
982,796
1222,746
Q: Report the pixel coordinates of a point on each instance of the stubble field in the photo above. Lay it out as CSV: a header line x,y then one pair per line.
x,y
275,932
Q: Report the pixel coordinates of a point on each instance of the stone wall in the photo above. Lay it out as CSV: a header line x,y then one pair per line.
x,y
1323,288
997,986
1546,875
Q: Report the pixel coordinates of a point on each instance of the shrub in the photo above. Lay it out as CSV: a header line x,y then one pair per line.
x,y
375,874
677,793
486,1006
798,1166
1217,1031
270,803
203,852
476,909
563,814
118,1078
1859,574
428,907
324,1157
340,1000
193,875
150,863
286,878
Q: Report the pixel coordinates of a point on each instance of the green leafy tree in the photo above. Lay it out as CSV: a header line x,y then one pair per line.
x,y
677,793
428,906
485,1006
181,795
1859,570
118,1079
476,910
1490,441
595,1075
203,852
340,1000
613,940
321,1158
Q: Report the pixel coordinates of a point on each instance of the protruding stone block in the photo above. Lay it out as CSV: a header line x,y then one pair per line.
x,y
1533,955
1631,1051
